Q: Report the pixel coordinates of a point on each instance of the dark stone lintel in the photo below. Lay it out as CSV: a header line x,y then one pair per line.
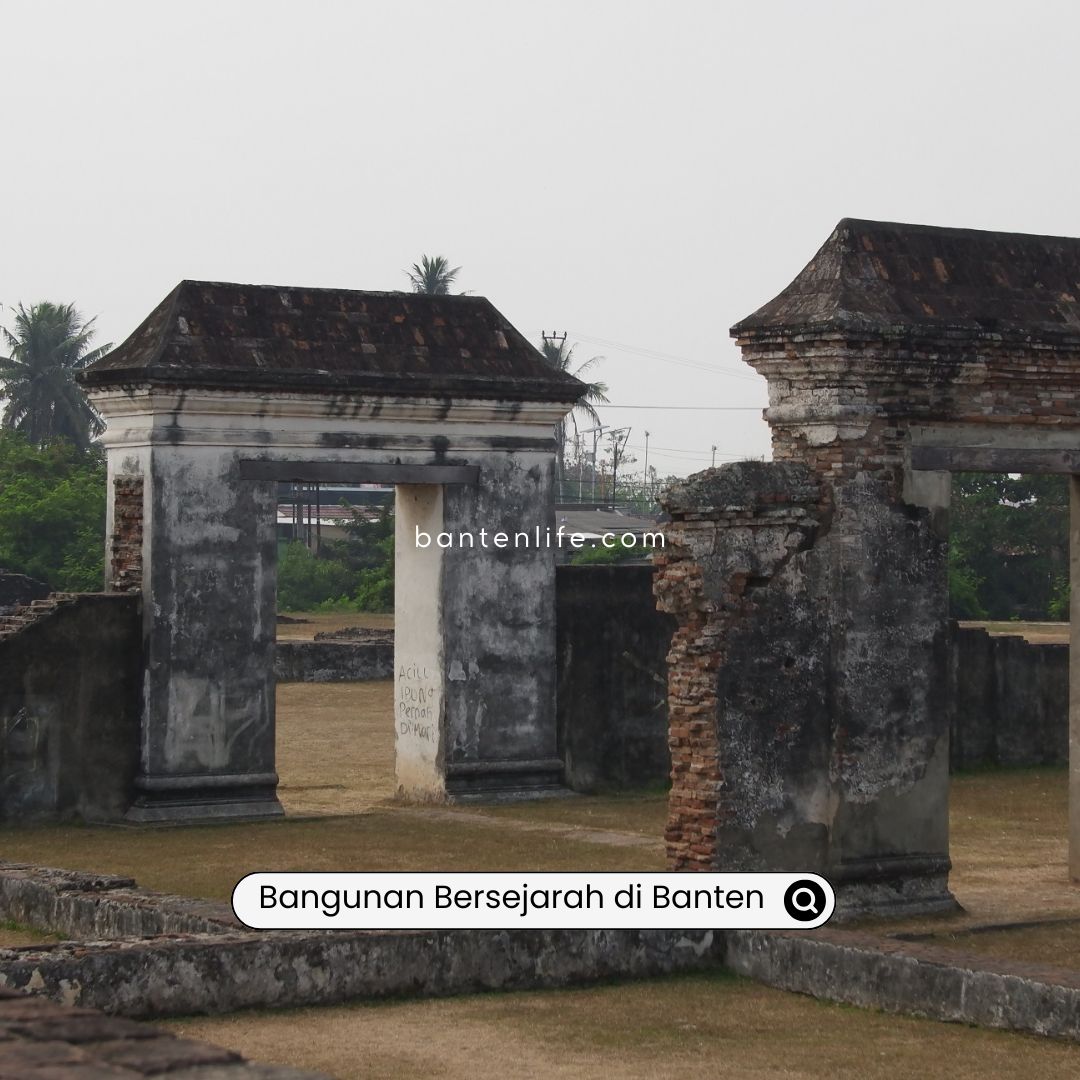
x,y
344,472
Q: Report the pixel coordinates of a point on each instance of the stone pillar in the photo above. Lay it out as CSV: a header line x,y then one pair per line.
x,y
475,639
884,566
209,628
498,624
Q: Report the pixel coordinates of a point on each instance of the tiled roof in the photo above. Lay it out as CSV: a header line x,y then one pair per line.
x,y
218,334
887,277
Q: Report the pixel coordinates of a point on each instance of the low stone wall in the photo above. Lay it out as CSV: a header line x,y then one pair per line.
x,y
611,698
332,661
909,977
69,712
222,968
179,975
98,907
1009,701
153,955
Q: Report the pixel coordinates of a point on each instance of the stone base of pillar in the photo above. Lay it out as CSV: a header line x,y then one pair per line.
x,y
491,781
894,887
193,799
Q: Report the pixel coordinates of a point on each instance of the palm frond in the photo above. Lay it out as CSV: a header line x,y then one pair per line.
x,y
48,344
432,276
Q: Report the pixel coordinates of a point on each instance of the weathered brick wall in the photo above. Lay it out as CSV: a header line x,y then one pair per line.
x,y
732,528
806,674
843,404
126,541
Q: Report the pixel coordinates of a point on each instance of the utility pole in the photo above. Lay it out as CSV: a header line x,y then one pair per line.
x,y
580,455
645,481
617,447
553,337
595,432
559,341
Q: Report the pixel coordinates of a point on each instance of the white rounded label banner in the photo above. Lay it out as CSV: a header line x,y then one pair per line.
x,y
532,901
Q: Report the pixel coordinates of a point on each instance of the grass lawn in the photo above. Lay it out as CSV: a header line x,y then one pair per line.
x,y
681,1028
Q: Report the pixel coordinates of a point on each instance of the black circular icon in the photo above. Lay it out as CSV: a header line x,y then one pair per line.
x,y
805,900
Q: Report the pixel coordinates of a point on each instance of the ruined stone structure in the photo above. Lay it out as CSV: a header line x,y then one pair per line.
x,y
808,674
224,391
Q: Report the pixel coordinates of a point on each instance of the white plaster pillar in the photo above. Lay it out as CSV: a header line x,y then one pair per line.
x,y
418,642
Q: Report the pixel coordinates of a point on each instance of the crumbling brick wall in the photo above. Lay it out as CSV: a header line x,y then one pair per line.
x,y
844,404
733,529
126,541
805,681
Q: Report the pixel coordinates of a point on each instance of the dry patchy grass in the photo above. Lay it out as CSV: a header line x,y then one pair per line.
x,y
12,935
317,621
1009,850
335,746
207,861
682,1028
1038,633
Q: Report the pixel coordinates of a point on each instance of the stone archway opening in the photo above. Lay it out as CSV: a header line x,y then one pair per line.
x,y
224,391
938,452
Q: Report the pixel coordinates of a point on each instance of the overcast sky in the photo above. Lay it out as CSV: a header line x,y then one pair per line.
x,y
639,174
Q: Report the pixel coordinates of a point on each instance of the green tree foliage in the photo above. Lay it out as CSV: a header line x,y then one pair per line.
x,y
1009,546
432,276
306,580
354,574
47,345
52,513
369,548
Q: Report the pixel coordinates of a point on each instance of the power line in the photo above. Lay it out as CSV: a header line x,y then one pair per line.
x,y
652,354
707,408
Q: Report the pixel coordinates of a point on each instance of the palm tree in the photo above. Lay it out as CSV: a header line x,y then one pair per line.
x,y
432,277
562,359
48,344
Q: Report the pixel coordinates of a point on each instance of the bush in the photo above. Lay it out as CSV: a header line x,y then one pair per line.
x,y
351,575
305,580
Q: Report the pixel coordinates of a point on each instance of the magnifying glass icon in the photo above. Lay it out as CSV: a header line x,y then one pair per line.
x,y
804,900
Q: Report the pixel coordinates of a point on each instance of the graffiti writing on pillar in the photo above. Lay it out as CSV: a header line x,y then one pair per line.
x,y
417,702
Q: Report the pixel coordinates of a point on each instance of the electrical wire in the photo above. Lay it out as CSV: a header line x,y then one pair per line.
x,y
652,354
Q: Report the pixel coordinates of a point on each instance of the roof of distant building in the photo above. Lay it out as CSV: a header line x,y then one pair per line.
x,y
599,522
